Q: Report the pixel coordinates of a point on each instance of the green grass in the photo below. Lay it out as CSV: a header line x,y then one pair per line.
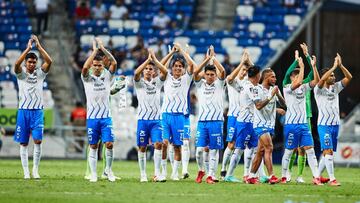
x,y
62,181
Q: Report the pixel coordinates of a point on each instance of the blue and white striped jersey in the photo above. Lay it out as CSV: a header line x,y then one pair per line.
x,y
247,99
97,90
211,100
234,88
31,89
267,115
296,104
327,100
148,94
176,94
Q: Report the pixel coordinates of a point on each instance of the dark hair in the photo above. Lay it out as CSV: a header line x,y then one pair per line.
x,y
151,63
296,71
323,71
264,72
79,104
98,57
210,68
178,57
253,71
31,55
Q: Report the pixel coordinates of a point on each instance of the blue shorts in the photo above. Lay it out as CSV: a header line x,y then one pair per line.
x,y
209,133
245,135
29,121
148,129
297,135
328,135
262,130
230,128
99,128
173,128
187,130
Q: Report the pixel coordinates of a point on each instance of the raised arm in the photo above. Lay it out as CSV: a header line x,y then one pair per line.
x,y
20,60
166,59
315,72
325,76
140,69
280,99
261,104
305,50
219,67
345,81
190,62
48,61
290,69
297,83
162,68
113,63
198,73
88,62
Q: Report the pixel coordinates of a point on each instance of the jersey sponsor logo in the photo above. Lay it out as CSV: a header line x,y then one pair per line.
x,y
330,95
299,94
176,83
209,90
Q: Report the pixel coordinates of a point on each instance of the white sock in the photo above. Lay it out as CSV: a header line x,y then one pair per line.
x,y
24,159
261,170
163,167
36,156
109,153
206,161
142,163
226,157
216,160
285,162
329,162
212,162
157,161
312,162
93,157
175,172
234,161
185,156
171,154
200,158
247,160
321,164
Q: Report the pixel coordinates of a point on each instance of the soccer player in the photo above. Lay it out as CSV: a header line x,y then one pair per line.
x,y
148,89
97,84
175,107
234,89
264,123
210,91
296,130
327,99
301,160
30,116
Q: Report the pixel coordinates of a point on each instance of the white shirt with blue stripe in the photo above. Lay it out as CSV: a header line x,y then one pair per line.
x,y
296,104
148,94
247,99
234,88
327,100
266,116
31,89
175,98
97,90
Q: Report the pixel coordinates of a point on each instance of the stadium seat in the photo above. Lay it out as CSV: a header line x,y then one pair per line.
x,y
4,62
12,55
131,41
132,24
229,42
254,52
199,57
182,40
292,20
105,39
86,40
191,49
257,28
276,44
115,24
245,11
235,54
118,41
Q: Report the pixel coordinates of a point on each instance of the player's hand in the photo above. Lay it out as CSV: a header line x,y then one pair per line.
x,y
336,61
313,61
297,55
339,59
300,61
29,44
211,51
281,111
274,91
95,48
99,42
304,48
244,56
177,46
36,40
152,54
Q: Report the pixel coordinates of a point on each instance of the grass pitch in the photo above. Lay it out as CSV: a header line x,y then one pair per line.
x,y
63,181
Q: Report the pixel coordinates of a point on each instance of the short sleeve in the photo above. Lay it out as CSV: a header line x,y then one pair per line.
x,y
199,83
338,87
21,76
159,82
137,84
287,88
252,92
307,86
41,74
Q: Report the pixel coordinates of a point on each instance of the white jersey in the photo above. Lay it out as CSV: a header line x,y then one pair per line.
x,y
31,89
211,103
327,100
176,94
234,88
97,90
296,104
267,115
148,95
247,99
